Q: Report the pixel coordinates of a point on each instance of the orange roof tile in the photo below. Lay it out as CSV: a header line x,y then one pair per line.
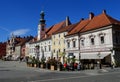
x,y
56,27
98,21
53,29
79,27
67,28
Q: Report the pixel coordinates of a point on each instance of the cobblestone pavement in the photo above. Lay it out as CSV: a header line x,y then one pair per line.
x,y
14,71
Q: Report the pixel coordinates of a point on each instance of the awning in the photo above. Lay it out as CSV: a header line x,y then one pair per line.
x,y
93,55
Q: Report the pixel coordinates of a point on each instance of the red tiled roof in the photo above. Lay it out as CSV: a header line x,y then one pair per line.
x,y
56,27
53,29
79,27
96,22
100,21
67,28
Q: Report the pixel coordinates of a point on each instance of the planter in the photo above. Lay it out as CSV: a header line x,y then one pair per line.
x,y
35,65
42,65
52,67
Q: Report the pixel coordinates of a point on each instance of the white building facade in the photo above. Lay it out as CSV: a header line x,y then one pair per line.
x,y
45,49
96,41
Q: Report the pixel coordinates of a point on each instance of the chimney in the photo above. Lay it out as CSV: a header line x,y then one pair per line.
x,y
67,21
91,15
81,19
104,11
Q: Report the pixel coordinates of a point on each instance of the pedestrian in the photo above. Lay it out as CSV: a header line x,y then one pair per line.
x,y
21,58
79,66
65,66
75,65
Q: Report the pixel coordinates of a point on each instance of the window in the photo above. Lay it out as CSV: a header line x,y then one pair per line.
x,y
102,39
64,50
59,42
64,34
59,50
54,43
92,41
45,49
41,48
102,35
74,43
54,50
68,44
49,48
82,42
59,35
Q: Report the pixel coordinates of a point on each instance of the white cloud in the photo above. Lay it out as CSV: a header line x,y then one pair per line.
x,y
20,31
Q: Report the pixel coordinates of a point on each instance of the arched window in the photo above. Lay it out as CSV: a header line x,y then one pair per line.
x,y
102,38
92,39
68,44
74,42
82,41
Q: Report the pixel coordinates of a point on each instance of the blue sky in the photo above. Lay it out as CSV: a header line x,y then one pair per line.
x,y
21,17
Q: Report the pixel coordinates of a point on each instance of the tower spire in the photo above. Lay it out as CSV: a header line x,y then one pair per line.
x,y
42,20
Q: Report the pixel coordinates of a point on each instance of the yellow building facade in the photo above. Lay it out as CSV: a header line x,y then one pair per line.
x,y
58,45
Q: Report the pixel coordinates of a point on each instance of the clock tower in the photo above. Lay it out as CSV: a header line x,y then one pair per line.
x,y
41,26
